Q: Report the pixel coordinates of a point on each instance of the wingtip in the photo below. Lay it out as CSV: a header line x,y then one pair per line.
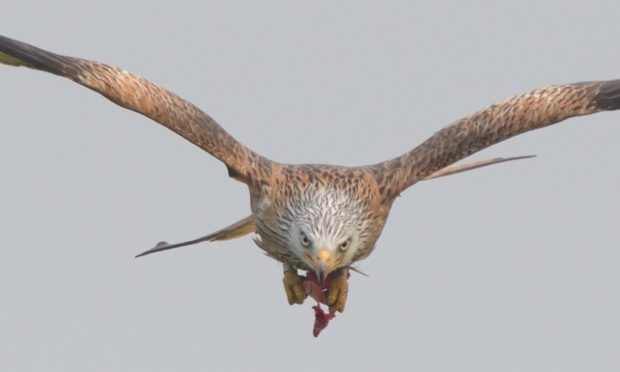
x,y
161,246
522,157
608,97
16,53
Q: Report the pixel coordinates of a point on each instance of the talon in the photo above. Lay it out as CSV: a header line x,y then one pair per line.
x,y
337,292
293,285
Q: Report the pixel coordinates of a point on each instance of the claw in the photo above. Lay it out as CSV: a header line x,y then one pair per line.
x,y
293,285
337,292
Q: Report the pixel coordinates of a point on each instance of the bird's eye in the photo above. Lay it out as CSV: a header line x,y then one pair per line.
x,y
303,239
345,245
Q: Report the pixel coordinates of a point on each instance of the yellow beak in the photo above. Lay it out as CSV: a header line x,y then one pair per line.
x,y
324,264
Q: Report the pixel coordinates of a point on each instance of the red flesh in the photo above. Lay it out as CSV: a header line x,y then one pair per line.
x,y
321,320
318,291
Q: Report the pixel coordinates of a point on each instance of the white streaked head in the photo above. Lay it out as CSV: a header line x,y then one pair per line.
x,y
327,229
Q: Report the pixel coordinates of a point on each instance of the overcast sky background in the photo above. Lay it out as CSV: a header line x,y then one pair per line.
x,y
509,268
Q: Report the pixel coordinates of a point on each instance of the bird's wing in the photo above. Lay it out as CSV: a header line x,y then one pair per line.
x,y
464,167
140,95
234,231
516,115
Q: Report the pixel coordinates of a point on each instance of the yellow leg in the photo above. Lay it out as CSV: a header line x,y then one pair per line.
x,y
294,287
337,291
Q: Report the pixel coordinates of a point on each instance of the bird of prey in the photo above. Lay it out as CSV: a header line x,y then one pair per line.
x,y
313,217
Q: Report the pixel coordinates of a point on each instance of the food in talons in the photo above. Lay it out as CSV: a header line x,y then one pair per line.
x,y
319,292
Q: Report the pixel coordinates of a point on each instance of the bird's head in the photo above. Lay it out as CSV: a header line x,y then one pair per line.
x,y
323,253
329,230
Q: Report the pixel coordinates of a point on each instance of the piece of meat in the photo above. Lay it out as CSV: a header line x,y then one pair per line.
x,y
321,320
318,291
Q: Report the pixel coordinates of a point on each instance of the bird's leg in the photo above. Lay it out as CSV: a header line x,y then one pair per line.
x,y
293,285
337,289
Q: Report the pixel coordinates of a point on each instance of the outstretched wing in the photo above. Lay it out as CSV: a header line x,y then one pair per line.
x,y
238,229
516,115
140,95
464,167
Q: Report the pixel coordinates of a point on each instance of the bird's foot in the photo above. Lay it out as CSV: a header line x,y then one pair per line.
x,y
294,287
332,292
337,290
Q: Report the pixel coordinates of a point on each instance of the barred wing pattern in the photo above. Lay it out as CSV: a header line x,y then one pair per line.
x,y
536,109
149,99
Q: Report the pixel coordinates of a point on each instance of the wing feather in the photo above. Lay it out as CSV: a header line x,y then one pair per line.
x,y
138,94
536,109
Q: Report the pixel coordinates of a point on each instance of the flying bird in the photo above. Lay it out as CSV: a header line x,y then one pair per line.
x,y
319,218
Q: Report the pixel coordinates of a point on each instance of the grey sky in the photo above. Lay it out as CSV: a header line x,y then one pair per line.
x,y
509,268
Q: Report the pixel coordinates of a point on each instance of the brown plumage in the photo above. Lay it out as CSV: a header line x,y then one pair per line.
x,y
321,218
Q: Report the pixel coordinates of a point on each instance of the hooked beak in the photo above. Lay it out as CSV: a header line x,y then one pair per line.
x,y
324,264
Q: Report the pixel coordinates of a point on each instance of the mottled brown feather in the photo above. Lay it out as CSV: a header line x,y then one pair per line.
x,y
138,94
280,193
516,115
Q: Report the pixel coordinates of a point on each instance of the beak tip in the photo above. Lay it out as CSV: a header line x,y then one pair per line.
x,y
323,264
320,274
